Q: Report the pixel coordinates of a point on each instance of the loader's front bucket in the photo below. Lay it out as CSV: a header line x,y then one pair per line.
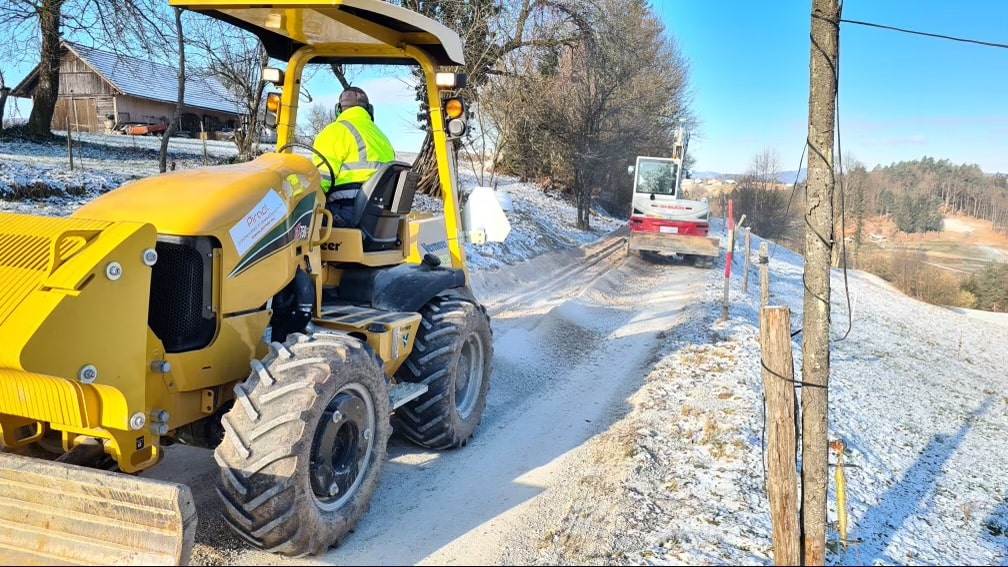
x,y
58,514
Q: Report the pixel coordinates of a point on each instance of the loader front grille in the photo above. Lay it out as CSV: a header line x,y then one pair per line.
x,y
181,313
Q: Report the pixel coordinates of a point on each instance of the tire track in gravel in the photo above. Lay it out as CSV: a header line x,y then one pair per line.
x,y
562,273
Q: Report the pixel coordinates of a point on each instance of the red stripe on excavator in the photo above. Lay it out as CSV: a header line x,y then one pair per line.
x,y
685,228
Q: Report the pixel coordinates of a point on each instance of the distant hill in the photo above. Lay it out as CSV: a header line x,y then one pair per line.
x,y
786,177
789,176
705,175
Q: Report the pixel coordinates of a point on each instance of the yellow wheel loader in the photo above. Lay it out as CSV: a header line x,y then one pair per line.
x,y
221,307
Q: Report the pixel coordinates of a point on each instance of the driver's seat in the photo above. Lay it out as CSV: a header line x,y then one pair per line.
x,y
381,203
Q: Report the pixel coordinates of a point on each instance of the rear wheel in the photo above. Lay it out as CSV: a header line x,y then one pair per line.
x,y
304,444
452,355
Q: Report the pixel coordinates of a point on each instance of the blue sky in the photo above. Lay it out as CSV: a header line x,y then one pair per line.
x,y
901,96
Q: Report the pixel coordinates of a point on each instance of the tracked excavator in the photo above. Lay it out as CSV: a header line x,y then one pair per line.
x,y
221,307
663,222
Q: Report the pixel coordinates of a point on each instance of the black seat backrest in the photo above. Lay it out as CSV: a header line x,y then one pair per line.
x,y
377,190
389,192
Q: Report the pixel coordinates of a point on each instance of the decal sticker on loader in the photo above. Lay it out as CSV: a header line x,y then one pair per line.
x,y
434,247
264,216
292,229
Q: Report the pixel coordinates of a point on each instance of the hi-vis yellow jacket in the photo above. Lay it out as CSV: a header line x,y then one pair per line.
x,y
354,146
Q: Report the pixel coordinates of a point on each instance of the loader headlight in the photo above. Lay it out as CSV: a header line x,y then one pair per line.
x,y
272,75
450,80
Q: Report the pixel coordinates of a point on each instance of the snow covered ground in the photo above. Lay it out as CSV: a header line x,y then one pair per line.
x,y
917,393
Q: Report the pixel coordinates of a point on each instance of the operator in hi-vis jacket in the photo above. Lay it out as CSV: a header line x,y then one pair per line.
x,y
355,148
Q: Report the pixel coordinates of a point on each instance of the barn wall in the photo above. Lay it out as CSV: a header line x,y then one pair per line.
x,y
76,78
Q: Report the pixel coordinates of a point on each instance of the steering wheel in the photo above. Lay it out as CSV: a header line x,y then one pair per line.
x,y
332,174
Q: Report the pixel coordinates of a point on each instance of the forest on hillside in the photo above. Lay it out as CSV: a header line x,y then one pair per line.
x,y
914,195
917,194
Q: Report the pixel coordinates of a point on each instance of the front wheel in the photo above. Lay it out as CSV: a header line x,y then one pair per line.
x,y
452,355
304,444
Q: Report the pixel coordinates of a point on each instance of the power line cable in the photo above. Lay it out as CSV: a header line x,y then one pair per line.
x,y
937,35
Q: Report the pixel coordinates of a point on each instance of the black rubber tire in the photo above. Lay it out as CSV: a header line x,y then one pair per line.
x,y
273,444
453,355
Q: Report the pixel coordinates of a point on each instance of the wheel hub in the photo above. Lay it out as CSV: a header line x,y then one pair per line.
x,y
469,378
341,448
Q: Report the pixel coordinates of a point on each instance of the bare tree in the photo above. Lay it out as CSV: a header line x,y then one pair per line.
x,y
180,99
848,203
118,24
22,14
318,118
235,58
765,202
4,91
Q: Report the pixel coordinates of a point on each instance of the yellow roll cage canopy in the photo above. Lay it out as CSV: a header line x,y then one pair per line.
x,y
341,31
338,32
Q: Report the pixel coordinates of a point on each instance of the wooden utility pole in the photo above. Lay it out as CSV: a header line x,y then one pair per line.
x,y
819,187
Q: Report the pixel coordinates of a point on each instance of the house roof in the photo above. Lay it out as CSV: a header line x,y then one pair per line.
x,y
145,79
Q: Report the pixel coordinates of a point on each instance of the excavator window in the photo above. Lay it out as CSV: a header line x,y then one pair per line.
x,y
656,177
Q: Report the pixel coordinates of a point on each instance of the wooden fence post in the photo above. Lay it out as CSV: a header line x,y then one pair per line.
x,y
69,142
764,274
748,252
782,467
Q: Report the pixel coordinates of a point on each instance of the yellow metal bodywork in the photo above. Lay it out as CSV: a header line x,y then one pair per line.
x,y
427,235
77,354
229,203
390,334
71,352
